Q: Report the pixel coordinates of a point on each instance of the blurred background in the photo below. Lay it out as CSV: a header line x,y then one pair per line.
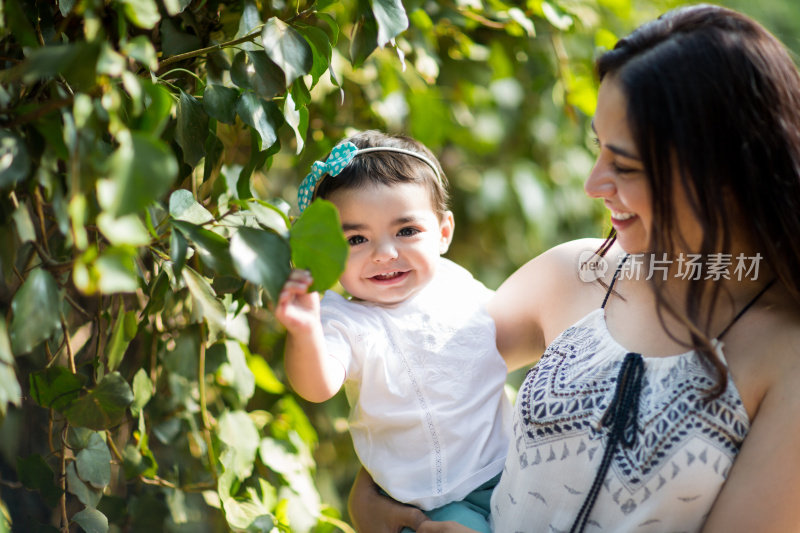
x,y
501,91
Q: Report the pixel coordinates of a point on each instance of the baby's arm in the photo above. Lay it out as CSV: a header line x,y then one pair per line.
x,y
312,371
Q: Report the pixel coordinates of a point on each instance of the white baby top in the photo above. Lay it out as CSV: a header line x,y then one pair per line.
x,y
429,417
666,482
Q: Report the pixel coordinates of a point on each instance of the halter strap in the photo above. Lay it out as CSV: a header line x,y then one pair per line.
x,y
744,309
614,280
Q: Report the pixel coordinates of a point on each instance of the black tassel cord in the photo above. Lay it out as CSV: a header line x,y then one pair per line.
x,y
621,417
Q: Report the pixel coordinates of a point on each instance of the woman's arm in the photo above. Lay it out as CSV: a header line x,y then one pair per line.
x,y
540,300
762,492
372,512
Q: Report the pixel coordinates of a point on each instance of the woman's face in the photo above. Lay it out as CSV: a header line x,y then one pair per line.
x,y
618,178
618,175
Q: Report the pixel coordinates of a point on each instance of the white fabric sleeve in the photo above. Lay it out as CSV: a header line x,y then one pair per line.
x,y
337,329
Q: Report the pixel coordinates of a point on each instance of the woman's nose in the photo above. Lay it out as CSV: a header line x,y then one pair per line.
x,y
600,183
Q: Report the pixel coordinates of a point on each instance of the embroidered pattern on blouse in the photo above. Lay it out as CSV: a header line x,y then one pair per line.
x,y
567,394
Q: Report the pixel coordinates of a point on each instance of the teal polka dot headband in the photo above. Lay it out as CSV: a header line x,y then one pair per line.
x,y
340,157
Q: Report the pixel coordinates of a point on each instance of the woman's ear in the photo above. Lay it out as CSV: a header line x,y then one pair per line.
x,y
447,225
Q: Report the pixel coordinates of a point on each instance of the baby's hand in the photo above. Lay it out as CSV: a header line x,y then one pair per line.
x,y
298,309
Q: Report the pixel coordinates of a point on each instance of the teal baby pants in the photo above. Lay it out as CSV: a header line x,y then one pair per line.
x,y
472,511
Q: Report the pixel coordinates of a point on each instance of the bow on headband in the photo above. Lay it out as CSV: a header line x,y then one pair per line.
x,y
340,157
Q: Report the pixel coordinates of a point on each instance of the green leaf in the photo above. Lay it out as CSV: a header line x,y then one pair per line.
x,y
559,21
183,206
36,308
143,13
192,128
143,169
124,331
91,520
236,372
104,406
268,215
220,102
78,438
264,117
249,21
287,48
256,71
364,40
10,391
176,6
66,7
261,257
142,391
318,244
87,495
76,62
206,301
178,248
20,26
297,119
142,50
93,463
211,247
391,18
157,108
116,270
258,159
14,160
24,224
55,387
240,435
265,377
321,48
110,61
125,230
35,474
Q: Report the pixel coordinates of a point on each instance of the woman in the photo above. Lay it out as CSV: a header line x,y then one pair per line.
x,y
668,396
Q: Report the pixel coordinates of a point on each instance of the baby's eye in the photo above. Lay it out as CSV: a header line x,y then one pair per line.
x,y
356,239
408,232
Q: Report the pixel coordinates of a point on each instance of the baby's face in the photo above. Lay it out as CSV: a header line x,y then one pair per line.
x,y
395,240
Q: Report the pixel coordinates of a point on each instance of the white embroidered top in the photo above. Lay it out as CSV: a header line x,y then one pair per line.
x,y
429,417
666,482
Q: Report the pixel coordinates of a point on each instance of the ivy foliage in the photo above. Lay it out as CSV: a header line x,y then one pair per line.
x,y
150,152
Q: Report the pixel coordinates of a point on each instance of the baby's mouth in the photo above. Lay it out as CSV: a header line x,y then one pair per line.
x,y
387,276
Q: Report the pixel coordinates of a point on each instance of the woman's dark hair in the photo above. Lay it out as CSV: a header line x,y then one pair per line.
x,y
713,99
388,168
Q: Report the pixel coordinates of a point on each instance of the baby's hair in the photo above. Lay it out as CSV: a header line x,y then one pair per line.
x,y
389,168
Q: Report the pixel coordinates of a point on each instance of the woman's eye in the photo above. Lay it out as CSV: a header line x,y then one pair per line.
x,y
356,239
408,232
619,169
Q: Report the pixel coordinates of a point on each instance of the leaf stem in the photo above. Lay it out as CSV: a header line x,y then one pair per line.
x,y
195,76
70,355
201,389
63,476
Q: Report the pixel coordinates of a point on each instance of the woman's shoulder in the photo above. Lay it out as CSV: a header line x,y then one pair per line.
x,y
573,263
765,347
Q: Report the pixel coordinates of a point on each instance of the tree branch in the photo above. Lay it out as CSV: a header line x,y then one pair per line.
x,y
202,51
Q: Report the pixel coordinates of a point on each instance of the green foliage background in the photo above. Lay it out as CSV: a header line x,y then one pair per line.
x,y
150,152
